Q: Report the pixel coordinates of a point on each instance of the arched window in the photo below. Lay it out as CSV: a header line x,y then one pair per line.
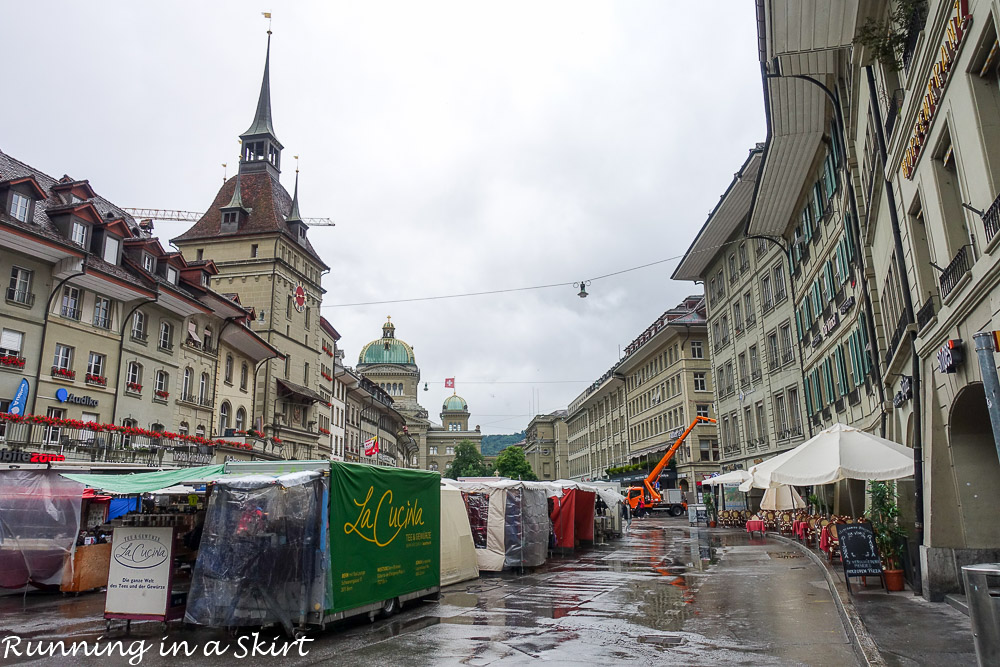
x,y
162,384
203,388
229,368
224,411
244,374
207,340
183,428
186,389
241,420
126,437
134,376
166,340
200,431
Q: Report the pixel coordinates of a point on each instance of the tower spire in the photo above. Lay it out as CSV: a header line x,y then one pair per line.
x,y
261,148
295,216
262,118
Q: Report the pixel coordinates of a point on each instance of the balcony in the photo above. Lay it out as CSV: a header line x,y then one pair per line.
x,y
954,272
897,337
991,220
21,297
912,34
926,313
895,102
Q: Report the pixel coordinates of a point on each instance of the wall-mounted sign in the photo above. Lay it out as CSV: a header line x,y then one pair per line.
x,y
847,305
958,26
181,456
299,298
951,355
905,392
817,339
17,456
64,396
20,399
830,324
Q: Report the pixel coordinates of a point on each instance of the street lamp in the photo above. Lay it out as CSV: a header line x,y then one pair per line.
x,y
583,288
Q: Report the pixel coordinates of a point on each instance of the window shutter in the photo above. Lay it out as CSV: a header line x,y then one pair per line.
x,y
11,340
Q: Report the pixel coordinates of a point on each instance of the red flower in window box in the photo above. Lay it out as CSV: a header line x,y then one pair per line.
x,y
12,360
324,431
276,439
63,372
162,394
97,379
134,386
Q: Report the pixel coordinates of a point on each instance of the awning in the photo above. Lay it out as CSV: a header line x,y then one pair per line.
x,y
298,391
193,332
147,482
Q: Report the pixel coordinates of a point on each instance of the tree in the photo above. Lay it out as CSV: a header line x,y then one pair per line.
x,y
468,462
511,463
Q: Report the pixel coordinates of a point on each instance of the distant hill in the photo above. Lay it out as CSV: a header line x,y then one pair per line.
x,y
492,444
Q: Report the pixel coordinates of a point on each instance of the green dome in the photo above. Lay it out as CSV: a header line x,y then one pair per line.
x,y
456,403
386,351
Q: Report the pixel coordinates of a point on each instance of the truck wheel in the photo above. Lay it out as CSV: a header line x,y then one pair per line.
x,y
390,607
676,510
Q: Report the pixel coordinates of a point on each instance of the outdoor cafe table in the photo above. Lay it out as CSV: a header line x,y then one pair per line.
x,y
754,526
799,527
824,538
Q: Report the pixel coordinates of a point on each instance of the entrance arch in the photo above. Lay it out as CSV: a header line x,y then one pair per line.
x,y
977,467
682,484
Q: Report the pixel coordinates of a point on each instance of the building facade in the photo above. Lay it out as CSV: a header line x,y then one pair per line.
x,y
597,428
547,445
754,341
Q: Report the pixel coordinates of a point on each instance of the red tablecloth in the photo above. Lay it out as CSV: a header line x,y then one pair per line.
x,y
755,526
824,538
800,528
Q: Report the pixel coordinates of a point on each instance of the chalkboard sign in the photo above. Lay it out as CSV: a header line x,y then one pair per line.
x,y
702,516
858,550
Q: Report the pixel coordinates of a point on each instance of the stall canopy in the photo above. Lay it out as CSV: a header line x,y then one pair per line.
x,y
458,551
836,453
734,477
779,498
147,482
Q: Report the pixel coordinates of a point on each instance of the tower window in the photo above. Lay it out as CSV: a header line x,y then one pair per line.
x,y
253,250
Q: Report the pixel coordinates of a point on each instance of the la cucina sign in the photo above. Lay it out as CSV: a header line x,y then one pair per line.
x,y
958,27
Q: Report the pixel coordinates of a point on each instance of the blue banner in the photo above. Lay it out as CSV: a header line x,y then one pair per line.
x,y
20,401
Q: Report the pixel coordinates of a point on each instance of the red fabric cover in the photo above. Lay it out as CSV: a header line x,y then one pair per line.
x,y
563,517
584,514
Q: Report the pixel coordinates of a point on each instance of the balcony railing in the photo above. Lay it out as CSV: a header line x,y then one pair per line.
x,y
70,312
926,312
991,220
773,364
897,336
23,297
895,101
751,320
780,296
913,32
139,335
787,356
755,374
954,272
102,322
744,267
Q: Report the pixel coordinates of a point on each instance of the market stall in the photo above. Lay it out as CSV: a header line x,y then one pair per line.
x,y
458,551
509,520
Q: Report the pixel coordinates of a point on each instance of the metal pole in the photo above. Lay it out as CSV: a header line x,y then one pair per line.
x,y
991,384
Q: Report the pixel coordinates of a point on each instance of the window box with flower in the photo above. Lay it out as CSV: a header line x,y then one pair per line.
x,y
98,380
134,387
160,393
11,361
67,373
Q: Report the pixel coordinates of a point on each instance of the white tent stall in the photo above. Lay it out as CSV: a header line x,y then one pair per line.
x,y
458,551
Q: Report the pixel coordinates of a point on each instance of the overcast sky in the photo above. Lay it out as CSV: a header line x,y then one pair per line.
x,y
460,147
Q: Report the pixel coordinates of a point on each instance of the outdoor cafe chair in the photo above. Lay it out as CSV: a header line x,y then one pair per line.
x,y
834,543
786,523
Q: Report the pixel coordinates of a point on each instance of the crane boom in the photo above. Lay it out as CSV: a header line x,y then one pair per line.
x,y
654,474
192,216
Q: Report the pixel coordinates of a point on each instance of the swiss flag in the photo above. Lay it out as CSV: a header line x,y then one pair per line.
x,y
449,383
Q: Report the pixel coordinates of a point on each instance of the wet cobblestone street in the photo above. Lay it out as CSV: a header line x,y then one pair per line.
x,y
665,594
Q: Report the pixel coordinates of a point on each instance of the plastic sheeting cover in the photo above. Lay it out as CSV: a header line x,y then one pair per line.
x,y
262,555
526,527
39,524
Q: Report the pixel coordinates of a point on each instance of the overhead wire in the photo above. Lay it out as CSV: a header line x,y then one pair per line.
x,y
531,287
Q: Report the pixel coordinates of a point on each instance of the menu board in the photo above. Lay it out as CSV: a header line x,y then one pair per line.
x,y
139,576
858,550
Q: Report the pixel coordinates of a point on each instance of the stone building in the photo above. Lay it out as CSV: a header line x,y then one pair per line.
x,y
597,428
755,352
667,372
391,364
547,445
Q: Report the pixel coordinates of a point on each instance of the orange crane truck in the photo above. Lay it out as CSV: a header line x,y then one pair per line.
x,y
674,500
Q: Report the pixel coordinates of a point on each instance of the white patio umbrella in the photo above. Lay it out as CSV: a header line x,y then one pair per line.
x,y
783,497
734,477
836,453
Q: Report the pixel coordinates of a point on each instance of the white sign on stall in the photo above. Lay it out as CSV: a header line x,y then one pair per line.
x,y
139,577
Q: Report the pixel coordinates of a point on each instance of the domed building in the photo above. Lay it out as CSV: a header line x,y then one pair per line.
x,y
391,363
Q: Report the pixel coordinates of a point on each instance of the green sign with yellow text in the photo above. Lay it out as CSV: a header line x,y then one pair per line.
x,y
384,533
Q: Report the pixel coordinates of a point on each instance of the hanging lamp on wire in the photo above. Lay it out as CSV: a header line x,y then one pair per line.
x,y
582,285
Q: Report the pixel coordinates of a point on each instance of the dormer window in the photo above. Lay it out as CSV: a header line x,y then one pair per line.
x,y
148,262
78,233
19,206
172,275
204,278
112,244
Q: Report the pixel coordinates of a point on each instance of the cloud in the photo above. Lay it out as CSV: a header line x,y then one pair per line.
x,y
460,147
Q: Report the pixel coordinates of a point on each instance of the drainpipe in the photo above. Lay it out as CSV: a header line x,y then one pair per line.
x,y
121,352
897,240
985,347
45,326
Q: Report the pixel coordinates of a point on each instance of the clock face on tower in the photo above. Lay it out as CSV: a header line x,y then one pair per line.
x,y
299,298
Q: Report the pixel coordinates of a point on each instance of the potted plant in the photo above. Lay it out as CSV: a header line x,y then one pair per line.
x,y
710,510
889,535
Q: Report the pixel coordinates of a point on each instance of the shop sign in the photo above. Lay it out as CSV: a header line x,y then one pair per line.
x,y
17,456
817,339
20,399
192,457
139,576
905,392
830,324
951,355
847,305
64,396
955,32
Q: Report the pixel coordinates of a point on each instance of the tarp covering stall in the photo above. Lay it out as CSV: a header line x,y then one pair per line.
x,y
147,482
510,522
39,524
458,551
572,516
